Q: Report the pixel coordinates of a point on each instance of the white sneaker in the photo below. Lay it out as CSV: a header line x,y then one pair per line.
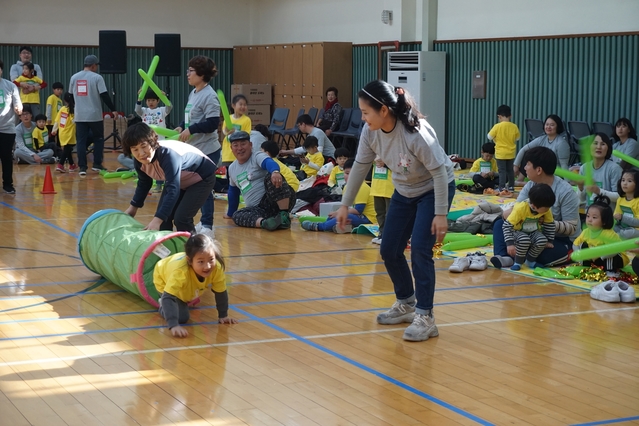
x,y
422,328
626,292
198,228
376,240
460,264
478,262
606,292
397,314
209,232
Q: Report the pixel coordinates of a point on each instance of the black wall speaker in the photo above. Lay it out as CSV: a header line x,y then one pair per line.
x,y
169,48
112,52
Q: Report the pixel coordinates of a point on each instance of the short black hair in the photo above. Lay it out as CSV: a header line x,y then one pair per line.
x,y
310,141
504,111
271,148
305,119
237,98
1,65
543,157
27,48
137,134
150,94
342,152
331,89
40,117
27,108
263,130
488,148
541,195
57,85
198,243
349,163
602,203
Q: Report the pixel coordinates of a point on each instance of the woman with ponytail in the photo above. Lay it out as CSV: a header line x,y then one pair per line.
x,y
397,132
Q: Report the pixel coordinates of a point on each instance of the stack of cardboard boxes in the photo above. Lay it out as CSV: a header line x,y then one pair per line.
x,y
259,97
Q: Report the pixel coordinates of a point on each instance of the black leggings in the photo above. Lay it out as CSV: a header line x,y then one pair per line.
x,y
247,217
67,155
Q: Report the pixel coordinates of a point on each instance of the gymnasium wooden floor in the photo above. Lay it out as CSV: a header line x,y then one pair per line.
x,y
511,350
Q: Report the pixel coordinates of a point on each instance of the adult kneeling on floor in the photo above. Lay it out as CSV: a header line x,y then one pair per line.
x,y
255,176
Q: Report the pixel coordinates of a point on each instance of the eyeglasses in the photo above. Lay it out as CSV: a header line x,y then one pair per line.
x,y
189,70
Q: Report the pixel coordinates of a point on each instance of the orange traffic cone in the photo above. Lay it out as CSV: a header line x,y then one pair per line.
x,y
47,188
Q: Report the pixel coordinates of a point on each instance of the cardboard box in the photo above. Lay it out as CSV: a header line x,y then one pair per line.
x,y
256,94
326,208
259,114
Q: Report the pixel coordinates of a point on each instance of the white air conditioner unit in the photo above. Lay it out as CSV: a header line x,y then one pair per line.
x,y
423,75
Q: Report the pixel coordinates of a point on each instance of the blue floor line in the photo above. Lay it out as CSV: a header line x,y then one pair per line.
x,y
608,422
39,219
91,287
55,295
369,370
47,284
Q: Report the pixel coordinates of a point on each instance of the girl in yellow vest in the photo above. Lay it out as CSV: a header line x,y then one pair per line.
x,y
382,190
241,121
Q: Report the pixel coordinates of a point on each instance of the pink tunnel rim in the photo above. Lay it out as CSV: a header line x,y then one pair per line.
x,y
139,275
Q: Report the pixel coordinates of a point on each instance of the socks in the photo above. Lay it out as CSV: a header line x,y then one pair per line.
x,y
515,267
531,264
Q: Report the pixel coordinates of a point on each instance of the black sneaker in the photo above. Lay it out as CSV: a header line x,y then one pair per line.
x,y
98,168
9,189
83,171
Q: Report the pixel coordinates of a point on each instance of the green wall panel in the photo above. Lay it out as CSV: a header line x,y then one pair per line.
x,y
59,63
579,78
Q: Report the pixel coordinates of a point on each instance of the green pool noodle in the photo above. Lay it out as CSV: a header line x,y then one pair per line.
x,y
628,159
471,242
318,219
163,131
549,273
145,85
604,250
113,175
456,236
225,110
464,182
562,173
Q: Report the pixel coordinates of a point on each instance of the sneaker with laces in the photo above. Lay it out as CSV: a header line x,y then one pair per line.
x,y
607,291
460,264
376,240
9,189
60,168
73,168
98,168
123,169
271,223
478,262
286,220
310,226
626,292
83,171
397,314
422,328
506,194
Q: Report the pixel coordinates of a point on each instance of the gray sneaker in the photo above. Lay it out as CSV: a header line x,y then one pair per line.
x,y
397,314
421,329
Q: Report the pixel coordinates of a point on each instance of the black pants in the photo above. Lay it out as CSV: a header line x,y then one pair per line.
x,y
188,204
267,207
485,182
612,264
67,155
7,140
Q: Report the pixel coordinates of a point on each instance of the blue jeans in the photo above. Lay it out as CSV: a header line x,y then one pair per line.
x,y
82,134
355,221
408,217
548,257
208,206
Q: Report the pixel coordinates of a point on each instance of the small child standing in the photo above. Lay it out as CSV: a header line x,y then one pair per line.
x,y
362,212
598,232
152,114
181,277
382,189
54,103
505,135
627,209
65,125
336,179
530,227
272,149
312,161
484,170
240,121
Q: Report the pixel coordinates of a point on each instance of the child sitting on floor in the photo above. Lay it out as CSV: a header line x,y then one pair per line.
x,y
530,228
598,232
362,212
484,171
312,161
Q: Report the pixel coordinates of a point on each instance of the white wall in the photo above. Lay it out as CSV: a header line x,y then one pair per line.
x,y
472,19
76,22
217,23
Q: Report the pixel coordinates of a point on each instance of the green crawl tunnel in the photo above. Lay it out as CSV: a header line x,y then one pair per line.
x,y
116,246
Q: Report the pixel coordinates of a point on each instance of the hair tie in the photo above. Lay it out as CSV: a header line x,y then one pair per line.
x,y
399,91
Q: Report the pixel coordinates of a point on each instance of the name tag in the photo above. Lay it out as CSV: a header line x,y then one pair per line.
x,y
82,88
484,167
63,119
380,173
244,182
1,98
530,225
